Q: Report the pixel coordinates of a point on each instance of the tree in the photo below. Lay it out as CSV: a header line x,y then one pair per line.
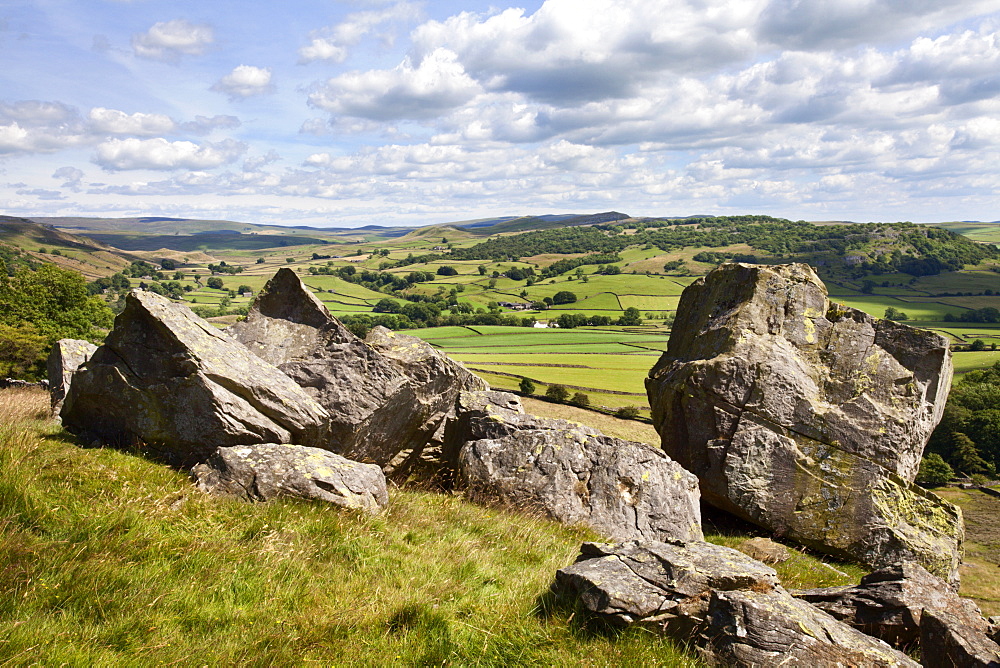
x,y
934,471
44,305
527,386
893,313
978,346
627,412
965,456
260,260
557,393
631,317
244,288
214,282
580,400
446,270
386,306
563,297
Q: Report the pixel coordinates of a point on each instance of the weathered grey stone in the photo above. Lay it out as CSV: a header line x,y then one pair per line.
x,y
766,550
268,471
66,357
806,417
167,379
946,642
728,605
436,381
751,628
621,489
662,586
492,415
376,408
888,603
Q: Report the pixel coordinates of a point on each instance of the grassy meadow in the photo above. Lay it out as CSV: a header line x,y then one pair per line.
x,y
107,558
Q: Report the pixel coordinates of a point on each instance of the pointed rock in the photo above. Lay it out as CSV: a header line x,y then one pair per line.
x,y
379,404
167,379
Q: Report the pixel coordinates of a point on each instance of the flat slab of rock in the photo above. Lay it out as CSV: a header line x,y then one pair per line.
x,y
620,489
379,404
731,607
269,471
66,357
766,550
168,380
889,603
806,417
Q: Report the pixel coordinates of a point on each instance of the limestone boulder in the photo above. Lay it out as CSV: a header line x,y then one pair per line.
x,y
807,417
169,381
727,605
66,357
493,414
890,602
620,489
377,407
268,471
946,642
435,383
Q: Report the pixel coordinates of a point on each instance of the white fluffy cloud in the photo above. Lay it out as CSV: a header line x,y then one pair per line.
x,y
333,44
160,154
115,122
170,40
245,81
437,84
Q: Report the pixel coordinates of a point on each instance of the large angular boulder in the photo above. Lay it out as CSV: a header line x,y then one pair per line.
x,y
494,414
377,409
806,417
268,471
620,489
730,607
436,381
66,357
947,642
890,602
170,381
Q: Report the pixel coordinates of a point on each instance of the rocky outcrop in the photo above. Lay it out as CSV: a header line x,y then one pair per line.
x,y
729,606
269,471
435,382
169,381
890,602
806,417
66,357
379,405
491,415
946,642
620,489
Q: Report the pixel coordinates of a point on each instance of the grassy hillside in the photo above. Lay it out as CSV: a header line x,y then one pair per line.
x,y
109,559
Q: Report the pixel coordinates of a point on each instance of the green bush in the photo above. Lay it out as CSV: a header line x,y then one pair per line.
x,y
580,400
526,386
557,393
934,471
627,412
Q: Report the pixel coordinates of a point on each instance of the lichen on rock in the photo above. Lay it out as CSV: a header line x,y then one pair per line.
x,y
806,417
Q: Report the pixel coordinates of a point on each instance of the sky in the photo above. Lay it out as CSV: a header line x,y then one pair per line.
x,y
358,112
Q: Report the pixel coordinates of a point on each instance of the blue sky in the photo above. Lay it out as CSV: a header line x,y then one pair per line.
x,y
368,112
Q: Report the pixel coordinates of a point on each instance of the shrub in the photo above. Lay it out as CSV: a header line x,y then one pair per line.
x,y
580,399
527,386
214,282
934,471
627,412
557,393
